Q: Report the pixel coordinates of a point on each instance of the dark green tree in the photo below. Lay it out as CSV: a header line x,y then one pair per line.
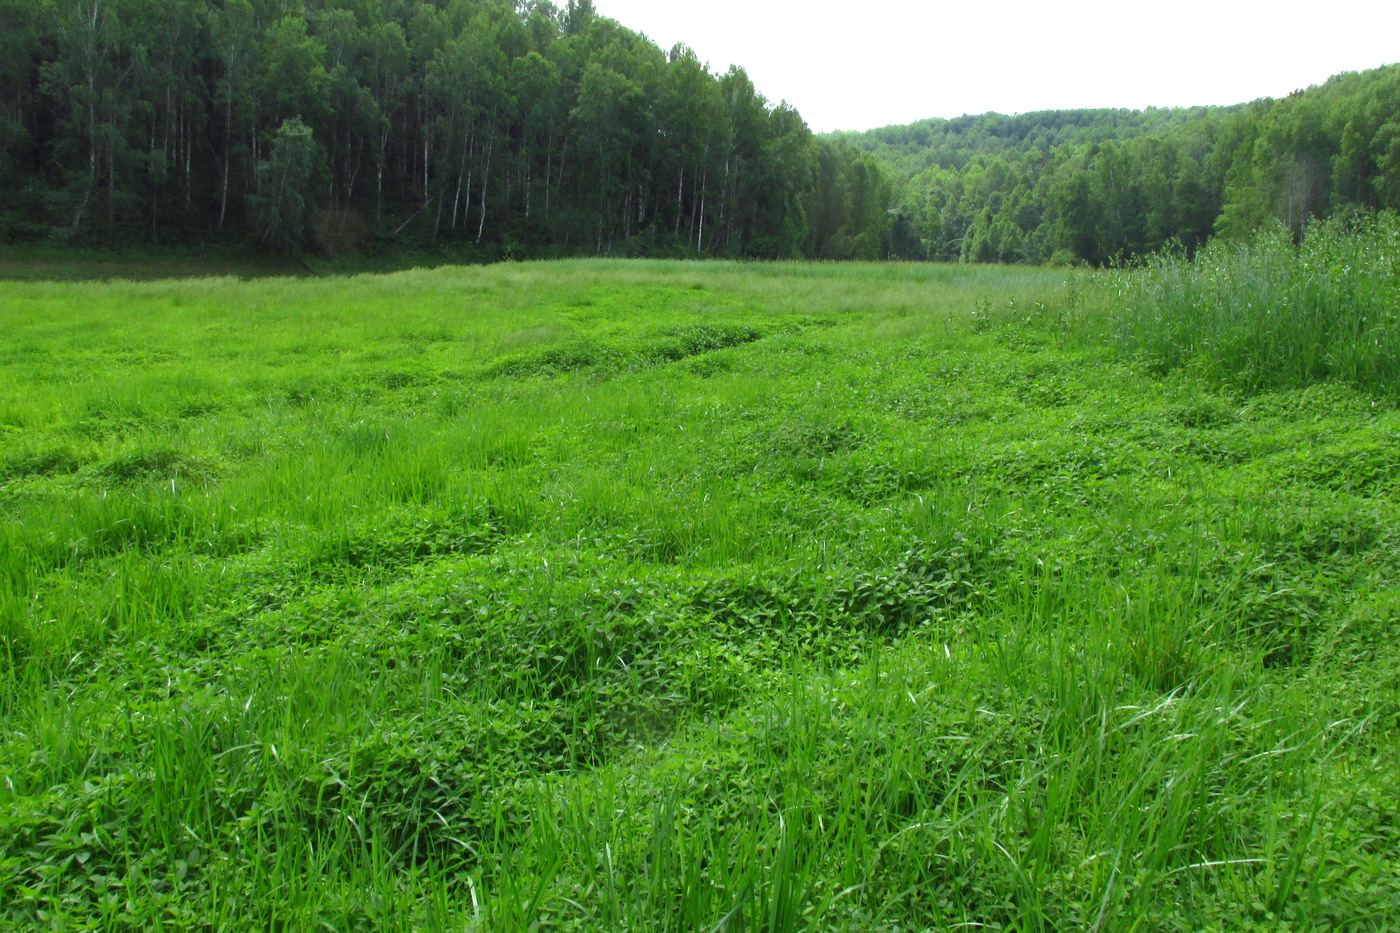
x,y
288,180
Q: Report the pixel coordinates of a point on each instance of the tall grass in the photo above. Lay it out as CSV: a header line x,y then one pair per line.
x,y
1273,314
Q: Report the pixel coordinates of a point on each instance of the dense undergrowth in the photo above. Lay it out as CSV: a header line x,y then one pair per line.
x,y
613,596
1270,314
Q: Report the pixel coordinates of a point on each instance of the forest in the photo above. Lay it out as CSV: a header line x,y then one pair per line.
x,y
500,129
1099,186
495,129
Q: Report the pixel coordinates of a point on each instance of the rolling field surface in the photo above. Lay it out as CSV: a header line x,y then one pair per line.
x,y
603,595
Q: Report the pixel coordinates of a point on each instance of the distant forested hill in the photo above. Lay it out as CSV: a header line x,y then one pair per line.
x,y
1099,185
494,128
923,144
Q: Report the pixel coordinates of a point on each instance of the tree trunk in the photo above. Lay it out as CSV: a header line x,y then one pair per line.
x,y
704,186
485,181
680,206
78,214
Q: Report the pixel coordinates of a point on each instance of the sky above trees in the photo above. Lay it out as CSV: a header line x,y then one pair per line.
x,y
896,61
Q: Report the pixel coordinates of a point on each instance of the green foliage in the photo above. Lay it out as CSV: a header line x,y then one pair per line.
x,y
658,595
1270,314
288,181
1104,186
491,129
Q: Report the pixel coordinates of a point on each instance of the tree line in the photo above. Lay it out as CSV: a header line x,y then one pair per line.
x,y
1100,186
496,128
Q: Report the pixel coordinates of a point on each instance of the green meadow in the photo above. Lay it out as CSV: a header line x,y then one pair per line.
x,y
623,595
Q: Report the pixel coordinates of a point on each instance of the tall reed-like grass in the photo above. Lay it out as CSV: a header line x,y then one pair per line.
x,y
1273,314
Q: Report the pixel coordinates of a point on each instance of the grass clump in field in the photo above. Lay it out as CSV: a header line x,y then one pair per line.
x,y
820,597
1273,314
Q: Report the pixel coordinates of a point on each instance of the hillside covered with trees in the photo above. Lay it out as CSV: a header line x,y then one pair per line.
x,y
1103,185
494,128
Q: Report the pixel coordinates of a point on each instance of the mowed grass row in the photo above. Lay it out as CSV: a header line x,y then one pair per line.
x,y
603,595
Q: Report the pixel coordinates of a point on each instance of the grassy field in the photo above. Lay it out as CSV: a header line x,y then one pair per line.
x,y
605,595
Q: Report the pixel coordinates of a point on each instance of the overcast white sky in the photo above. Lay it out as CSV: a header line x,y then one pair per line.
x,y
857,65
